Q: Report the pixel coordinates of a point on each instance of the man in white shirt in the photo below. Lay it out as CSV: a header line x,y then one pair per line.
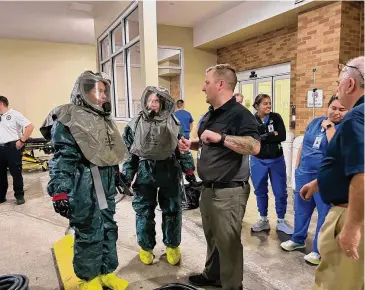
x,y
12,124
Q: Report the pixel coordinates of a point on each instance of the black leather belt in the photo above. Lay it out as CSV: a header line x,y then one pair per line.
x,y
221,185
6,144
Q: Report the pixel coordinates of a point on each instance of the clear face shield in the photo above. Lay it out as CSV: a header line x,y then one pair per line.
x,y
157,103
96,93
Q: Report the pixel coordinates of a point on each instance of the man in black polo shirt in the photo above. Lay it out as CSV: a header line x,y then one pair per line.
x,y
341,184
226,133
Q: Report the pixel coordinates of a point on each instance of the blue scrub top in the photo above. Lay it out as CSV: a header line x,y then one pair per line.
x,y
314,146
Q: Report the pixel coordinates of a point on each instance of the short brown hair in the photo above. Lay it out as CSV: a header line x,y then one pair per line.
x,y
225,72
4,100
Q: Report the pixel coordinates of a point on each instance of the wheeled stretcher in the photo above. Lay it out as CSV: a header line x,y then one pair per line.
x,y
29,160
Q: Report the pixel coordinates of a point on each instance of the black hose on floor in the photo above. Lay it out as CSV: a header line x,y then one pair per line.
x,y
176,286
14,282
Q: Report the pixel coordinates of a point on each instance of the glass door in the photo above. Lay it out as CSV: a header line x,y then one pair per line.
x,y
248,91
281,97
264,86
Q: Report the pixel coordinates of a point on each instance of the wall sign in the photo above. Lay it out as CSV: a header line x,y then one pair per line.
x,y
315,99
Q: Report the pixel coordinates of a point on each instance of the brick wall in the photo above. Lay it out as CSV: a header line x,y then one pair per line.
x,y
317,47
352,31
323,37
271,48
274,47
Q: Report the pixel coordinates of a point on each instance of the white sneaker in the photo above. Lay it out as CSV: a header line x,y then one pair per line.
x,y
283,226
291,246
313,258
261,225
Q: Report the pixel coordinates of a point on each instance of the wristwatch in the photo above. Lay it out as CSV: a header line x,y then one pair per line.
x,y
223,138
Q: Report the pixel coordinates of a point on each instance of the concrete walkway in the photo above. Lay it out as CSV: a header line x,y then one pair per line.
x,y
28,232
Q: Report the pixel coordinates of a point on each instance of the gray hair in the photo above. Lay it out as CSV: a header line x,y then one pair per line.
x,y
355,70
225,72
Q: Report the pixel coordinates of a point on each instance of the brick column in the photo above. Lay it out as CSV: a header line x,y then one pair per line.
x,y
318,46
352,30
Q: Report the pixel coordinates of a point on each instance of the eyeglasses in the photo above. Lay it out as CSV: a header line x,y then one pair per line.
x,y
342,66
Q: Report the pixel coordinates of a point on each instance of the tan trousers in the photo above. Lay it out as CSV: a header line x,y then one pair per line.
x,y
222,212
336,271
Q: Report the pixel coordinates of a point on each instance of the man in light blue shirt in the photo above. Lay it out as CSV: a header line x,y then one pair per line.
x,y
184,117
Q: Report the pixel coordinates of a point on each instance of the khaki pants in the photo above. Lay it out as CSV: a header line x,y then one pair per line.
x,y
222,213
336,271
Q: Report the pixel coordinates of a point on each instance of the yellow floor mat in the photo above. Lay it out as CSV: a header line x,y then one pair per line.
x,y
64,250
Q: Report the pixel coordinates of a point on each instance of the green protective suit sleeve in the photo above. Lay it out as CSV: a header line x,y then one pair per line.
x,y
130,165
64,162
185,159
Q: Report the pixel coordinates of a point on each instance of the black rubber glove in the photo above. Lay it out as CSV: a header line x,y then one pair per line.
x,y
61,204
191,179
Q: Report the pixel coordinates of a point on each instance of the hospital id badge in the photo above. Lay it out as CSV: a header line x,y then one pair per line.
x,y
199,152
270,128
317,142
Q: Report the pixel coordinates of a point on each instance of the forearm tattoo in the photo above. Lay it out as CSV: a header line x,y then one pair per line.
x,y
243,144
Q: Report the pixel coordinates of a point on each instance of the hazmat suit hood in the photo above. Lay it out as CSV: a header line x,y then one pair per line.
x,y
88,118
92,90
157,97
156,127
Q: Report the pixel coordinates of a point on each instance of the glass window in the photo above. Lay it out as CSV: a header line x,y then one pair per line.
x,y
107,68
136,88
124,66
117,36
132,25
169,57
105,48
120,87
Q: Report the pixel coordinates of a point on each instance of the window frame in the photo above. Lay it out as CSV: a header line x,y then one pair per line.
x,y
125,51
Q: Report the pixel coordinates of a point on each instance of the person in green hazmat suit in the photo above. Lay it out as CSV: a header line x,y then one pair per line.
x,y
151,138
88,149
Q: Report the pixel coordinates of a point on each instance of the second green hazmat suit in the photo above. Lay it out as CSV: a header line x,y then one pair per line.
x,y
151,138
88,149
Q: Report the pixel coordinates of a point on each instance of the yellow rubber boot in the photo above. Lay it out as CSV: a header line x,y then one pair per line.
x,y
94,284
173,255
146,257
113,282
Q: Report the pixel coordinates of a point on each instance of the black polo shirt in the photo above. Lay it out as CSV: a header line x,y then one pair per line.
x,y
344,157
217,163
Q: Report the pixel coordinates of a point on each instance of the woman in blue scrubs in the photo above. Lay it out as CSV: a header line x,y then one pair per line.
x,y
316,138
269,163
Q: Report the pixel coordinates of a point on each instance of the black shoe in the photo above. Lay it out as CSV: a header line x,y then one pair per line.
x,y
3,200
20,201
200,280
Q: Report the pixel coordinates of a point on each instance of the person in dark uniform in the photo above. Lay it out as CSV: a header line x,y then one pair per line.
x,y
269,162
227,136
12,124
340,181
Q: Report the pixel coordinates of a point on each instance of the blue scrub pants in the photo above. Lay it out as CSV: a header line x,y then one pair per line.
x,y
276,170
303,210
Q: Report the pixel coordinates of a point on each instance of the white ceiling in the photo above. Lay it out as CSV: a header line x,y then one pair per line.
x,y
190,13
48,21
54,20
